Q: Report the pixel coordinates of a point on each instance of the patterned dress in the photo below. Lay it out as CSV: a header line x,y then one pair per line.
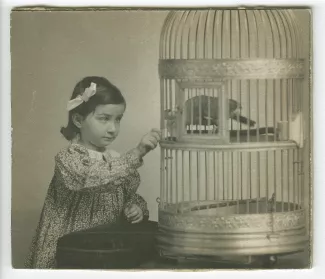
x,y
88,189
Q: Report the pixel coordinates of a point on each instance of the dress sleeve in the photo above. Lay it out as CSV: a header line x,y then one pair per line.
x,y
79,173
131,197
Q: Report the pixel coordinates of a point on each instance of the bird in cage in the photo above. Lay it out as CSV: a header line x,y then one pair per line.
x,y
209,112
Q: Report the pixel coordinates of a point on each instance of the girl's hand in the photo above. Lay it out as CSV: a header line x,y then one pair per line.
x,y
149,142
134,214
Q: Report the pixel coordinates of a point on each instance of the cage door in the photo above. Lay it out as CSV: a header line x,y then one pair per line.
x,y
203,111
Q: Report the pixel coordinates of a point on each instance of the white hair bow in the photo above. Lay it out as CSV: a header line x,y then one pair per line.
x,y
84,97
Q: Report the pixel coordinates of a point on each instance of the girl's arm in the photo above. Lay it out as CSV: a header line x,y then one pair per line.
x,y
131,197
78,173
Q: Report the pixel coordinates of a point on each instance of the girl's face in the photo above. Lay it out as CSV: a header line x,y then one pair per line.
x,y
101,127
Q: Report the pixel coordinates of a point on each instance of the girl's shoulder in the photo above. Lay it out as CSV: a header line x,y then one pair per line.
x,y
78,153
74,148
72,152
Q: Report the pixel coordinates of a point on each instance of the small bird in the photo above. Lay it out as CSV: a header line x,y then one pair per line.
x,y
193,113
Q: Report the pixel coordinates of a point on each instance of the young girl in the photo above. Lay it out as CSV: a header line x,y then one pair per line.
x,y
92,185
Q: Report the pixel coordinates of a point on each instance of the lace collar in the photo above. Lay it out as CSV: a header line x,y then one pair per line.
x,y
97,155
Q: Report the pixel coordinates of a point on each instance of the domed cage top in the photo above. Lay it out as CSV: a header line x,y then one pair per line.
x,y
253,55
232,122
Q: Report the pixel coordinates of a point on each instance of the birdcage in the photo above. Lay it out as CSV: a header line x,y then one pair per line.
x,y
232,121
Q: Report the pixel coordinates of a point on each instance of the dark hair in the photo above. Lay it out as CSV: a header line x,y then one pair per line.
x,y
106,93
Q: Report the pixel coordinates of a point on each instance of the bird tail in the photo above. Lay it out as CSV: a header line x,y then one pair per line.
x,y
244,120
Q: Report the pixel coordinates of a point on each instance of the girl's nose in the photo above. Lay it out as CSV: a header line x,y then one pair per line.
x,y
111,127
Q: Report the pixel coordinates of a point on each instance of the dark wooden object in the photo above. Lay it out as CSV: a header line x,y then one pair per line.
x,y
119,246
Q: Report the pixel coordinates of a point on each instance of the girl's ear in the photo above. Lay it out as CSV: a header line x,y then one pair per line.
x,y
77,120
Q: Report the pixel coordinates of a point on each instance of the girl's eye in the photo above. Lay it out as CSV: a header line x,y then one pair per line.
x,y
103,118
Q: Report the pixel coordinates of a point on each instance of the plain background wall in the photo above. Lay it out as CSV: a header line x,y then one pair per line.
x,y
51,51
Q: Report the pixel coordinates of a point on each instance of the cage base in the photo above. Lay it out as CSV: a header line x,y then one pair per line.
x,y
264,261
199,232
188,244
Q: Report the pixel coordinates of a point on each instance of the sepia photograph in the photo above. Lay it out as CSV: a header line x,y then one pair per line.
x,y
161,139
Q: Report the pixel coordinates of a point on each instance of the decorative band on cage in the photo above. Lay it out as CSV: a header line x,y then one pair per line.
x,y
231,68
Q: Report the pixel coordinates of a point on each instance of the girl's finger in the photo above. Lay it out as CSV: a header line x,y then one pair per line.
x,y
132,211
137,214
156,139
150,144
133,214
153,142
156,136
129,209
139,219
132,208
134,218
